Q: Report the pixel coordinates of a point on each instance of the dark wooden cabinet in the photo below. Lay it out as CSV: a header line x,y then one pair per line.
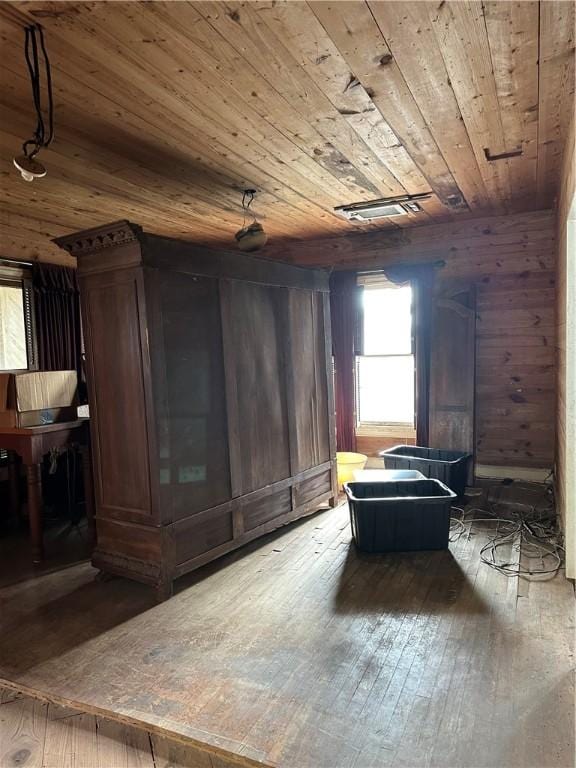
x,y
210,386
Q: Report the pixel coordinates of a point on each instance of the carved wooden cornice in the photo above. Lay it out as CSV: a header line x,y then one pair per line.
x,y
108,236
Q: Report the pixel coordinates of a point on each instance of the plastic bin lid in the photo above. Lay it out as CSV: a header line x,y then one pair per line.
x,y
448,493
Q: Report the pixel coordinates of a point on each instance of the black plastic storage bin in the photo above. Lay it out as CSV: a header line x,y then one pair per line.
x,y
400,516
451,467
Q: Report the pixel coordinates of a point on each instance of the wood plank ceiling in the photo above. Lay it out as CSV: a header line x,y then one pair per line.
x,y
166,111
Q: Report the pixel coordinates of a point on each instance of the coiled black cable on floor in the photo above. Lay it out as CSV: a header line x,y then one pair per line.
x,y
531,534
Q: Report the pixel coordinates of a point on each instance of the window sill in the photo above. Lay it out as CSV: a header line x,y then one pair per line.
x,y
386,430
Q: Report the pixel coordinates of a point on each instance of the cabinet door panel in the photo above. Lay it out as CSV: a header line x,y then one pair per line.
x,y
254,339
113,310
308,384
189,386
198,534
452,368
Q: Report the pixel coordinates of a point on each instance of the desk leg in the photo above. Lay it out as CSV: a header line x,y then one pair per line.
x,y
34,479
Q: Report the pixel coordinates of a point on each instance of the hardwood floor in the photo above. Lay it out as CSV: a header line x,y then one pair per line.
x,y
64,545
44,735
300,652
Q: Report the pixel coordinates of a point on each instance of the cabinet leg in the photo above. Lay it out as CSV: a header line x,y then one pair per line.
x,y
34,481
164,591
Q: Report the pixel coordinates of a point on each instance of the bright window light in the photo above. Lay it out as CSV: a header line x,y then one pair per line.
x,y
385,373
12,330
388,321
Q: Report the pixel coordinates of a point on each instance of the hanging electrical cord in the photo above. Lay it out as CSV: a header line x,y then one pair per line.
x,y
247,200
29,167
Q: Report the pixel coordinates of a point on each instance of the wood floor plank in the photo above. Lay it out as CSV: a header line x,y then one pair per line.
x,y
123,747
66,737
22,733
171,754
70,739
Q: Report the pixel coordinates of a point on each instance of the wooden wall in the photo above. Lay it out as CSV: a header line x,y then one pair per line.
x,y
511,259
566,355
371,445
33,242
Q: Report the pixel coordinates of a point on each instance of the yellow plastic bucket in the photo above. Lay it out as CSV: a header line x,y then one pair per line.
x,y
347,463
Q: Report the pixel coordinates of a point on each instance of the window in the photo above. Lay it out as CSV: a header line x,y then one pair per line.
x,y
17,347
12,329
385,372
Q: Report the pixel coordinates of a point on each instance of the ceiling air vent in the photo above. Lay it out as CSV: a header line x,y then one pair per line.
x,y
371,212
380,209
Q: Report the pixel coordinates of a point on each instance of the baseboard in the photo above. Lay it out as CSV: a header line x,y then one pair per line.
x,y
531,474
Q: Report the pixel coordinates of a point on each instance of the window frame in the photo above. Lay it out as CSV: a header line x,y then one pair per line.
x,y
19,274
396,428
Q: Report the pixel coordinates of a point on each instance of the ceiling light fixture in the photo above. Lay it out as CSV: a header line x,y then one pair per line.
x,y
251,237
380,209
30,168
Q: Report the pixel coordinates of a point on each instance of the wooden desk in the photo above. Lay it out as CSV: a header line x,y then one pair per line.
x,y
31,444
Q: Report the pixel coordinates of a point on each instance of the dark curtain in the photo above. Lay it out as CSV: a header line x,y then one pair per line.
x,y
58,328
346,312
421,278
